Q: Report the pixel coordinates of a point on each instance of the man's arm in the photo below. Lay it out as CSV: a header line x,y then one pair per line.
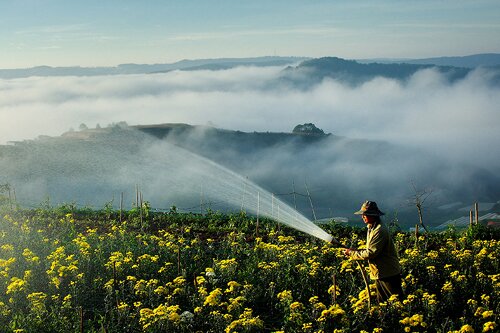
x,y
375,245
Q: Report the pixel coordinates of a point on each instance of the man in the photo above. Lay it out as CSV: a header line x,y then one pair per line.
x,y
380,252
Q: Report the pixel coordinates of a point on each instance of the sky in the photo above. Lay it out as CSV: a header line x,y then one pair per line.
x,y
455,121
107,33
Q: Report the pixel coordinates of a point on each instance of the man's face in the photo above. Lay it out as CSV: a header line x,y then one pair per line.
x,y
367,219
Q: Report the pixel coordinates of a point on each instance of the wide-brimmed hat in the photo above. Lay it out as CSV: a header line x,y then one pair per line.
x,y
369,208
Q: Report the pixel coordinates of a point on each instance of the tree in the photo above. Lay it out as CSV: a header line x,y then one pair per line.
x,y
418,199
309,129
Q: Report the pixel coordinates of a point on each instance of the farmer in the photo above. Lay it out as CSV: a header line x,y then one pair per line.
x,y
380,253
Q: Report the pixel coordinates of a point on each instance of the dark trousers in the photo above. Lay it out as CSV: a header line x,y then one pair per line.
x,y
388,286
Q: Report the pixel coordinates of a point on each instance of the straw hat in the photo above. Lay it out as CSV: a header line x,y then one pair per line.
x,y
369,208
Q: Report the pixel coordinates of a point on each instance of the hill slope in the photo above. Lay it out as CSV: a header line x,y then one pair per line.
x,y
173,164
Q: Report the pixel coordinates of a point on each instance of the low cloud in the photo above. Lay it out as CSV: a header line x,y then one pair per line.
x,y
456,123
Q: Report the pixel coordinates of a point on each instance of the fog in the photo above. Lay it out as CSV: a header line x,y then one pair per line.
x,y
426,129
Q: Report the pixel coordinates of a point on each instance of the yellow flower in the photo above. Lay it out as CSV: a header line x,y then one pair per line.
x,y
487,314
235,303
296,306
307,326
4,309
447,287
466,329
226,264
16,284
30,256
122,306
179,280
201,280
489,326
285,295
314,299
37,302
213,298
331,312
232,286
334,289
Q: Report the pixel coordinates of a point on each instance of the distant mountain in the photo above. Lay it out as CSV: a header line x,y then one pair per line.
x,y
471,61
353,72
212,64
301,70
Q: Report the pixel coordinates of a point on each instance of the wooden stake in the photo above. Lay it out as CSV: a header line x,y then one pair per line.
x,y
136,196
416,234
334,289
310,201
471,217
179,260
279,224
121,206
294,197
272,205
201,199
140,211
476,209
81,319
10,199
258,212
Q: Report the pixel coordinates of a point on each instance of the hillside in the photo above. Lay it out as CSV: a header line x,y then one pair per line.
x,y
471,61
180,164
124,69
354,73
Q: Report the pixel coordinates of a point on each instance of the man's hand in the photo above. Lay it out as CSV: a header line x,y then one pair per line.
x,y
347,252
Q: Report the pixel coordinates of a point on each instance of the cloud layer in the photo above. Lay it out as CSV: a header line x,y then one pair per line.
x,y
429,130
459,119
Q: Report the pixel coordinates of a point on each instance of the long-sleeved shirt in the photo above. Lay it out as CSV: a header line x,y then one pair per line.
x,y
380,253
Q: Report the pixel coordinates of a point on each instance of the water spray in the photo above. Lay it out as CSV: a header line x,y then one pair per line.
x,y
224,185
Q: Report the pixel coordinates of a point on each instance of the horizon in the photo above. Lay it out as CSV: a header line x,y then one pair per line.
x,y
102,34
256,57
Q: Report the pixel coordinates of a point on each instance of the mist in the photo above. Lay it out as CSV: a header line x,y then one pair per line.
x,y
425,130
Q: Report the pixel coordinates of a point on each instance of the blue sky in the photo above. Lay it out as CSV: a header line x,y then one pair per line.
x,y
103,33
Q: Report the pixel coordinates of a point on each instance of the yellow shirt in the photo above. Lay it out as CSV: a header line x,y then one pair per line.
x,y
380,253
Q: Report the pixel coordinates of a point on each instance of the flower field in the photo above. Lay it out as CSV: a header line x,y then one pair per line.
x,y
78,270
